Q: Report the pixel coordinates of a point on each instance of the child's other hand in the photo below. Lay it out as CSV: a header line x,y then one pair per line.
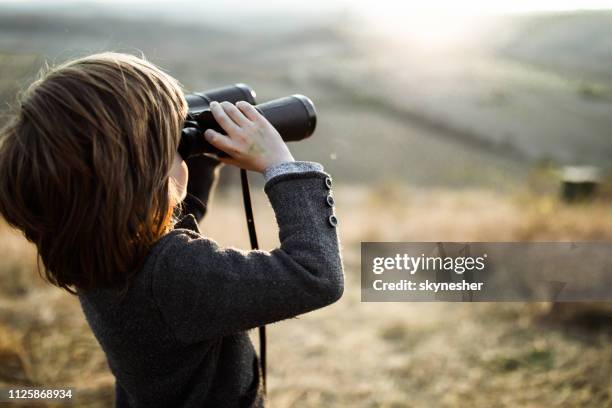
x,y
251,142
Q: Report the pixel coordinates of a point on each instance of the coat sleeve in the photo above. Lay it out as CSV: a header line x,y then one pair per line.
x,y
204,291
203,174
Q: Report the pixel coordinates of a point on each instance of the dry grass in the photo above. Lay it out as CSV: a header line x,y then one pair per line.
x,y
353,353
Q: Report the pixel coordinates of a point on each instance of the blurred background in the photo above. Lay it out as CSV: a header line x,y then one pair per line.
x,y
445,121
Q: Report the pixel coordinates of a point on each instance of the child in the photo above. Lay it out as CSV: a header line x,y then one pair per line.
x,y
89,170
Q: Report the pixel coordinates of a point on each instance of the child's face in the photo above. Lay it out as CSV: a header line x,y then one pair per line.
x,y
179,176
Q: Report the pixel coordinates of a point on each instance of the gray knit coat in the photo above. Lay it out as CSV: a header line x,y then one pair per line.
x,y
178,338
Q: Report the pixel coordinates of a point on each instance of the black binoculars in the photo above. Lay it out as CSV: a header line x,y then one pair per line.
x,y
294,117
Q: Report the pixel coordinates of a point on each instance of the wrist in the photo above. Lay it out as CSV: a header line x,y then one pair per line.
x,y
289,159
285,158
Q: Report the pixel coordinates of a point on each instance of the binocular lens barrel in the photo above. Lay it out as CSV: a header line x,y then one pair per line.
x,y
294,117
200,101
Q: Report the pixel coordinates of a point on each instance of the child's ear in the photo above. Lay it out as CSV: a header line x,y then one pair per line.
x,y
179,176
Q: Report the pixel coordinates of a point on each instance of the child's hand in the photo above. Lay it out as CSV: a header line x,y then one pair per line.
x,y
251,141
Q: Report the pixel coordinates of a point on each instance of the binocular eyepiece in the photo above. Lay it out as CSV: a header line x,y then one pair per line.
x,y
294,117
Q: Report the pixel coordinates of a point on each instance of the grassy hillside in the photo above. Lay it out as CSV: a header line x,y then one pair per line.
x,y
537,89
576,44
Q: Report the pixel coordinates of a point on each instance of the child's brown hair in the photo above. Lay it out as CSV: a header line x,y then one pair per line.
x,y
84,167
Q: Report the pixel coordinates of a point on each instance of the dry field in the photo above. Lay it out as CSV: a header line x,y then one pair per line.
x,y
353,353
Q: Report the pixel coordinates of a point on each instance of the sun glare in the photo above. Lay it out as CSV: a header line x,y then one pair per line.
x,y
430,25
437,24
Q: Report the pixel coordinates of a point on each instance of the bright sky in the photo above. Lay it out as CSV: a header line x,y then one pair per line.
x,y
431,22
479,7
463,7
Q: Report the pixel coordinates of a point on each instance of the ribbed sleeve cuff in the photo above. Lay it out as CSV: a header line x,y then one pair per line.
x,y
290,167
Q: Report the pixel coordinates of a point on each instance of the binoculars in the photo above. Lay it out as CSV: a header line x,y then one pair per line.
x,y
294,117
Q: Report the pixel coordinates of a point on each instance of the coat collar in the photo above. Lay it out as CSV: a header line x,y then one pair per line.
x,y
187,222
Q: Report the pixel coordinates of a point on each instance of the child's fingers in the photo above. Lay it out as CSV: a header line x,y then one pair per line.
x,y
220,141
234,114
249,111
222,119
